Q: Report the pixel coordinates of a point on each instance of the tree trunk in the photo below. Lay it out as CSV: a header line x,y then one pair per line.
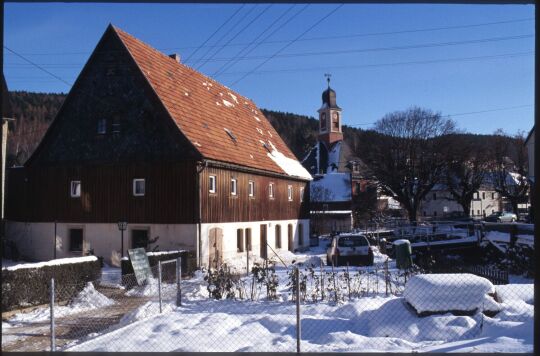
x,y
411,211
466,206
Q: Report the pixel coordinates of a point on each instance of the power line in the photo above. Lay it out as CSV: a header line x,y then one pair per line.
x,y
271,34
216,31
338,52
290,43
316,38
243,50
223,37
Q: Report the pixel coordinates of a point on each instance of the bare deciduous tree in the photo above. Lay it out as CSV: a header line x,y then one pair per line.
x,y
466,170
509,168
409,157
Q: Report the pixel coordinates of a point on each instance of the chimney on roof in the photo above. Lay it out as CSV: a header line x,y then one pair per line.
x,y
175,56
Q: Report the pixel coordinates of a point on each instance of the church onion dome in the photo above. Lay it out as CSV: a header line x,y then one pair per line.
x,y
329,99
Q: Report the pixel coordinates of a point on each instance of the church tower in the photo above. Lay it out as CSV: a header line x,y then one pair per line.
x,y
329,117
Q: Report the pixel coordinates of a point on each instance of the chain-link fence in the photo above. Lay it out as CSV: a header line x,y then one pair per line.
x,y
309,307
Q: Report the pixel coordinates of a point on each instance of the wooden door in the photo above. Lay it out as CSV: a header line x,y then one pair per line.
x,y
264,250
215,243
290,237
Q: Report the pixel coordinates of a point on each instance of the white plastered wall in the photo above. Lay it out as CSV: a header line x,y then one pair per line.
x,y
230,233
35,241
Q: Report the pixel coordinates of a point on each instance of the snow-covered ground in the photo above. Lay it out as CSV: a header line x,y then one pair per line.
x,y
371,321
374,323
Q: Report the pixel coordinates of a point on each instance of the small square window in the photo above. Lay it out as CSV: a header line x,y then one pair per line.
x,y
138,187
251,188
271,190
76,240
289,192
212,184
75,188
233,186
102,126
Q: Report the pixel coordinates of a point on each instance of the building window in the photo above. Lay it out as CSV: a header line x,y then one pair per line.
x,y
289,192
233,186
115,125
434,213
75,240
356,167
493,211
102,126
251,188
240,240
434,196
301,234
477,196
301,194
212,184
323,121
493,195
483,195
248,239
139,238
138,187
478,212
290,237
357,188
271,190
278,236
75,188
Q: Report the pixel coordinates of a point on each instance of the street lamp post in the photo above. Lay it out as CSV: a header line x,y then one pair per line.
x,y
122,225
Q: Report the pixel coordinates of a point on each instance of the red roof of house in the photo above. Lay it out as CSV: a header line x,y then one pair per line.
x,y
204,110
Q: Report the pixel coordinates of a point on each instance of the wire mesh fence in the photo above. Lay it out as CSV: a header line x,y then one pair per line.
x,y
310,307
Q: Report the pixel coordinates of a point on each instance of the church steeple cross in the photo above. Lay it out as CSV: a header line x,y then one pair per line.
x,y
328,75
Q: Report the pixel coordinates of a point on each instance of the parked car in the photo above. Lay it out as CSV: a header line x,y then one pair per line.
x,y
501,217
352,248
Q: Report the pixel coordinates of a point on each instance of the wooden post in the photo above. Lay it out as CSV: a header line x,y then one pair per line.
x,y
179,281
159,286
53,327
298,321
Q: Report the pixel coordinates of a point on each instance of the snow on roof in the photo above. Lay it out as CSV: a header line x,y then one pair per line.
x,y
446,292
60,261
291,166
331,187
401,242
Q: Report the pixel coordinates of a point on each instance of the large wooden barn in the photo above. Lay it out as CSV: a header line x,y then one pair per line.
x,y
145,139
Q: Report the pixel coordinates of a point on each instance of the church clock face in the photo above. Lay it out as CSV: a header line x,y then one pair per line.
x,y
335,115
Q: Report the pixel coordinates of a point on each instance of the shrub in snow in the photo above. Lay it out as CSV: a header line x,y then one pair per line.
x,y
222,282
440,293
28,284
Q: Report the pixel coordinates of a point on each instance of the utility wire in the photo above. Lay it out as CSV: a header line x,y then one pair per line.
x,y
223,37
290,43
315,38
271,34
216,31
243,51
361,50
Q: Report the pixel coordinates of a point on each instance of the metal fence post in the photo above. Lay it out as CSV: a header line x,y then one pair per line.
x,y
53,341
159,286
178,281
298,321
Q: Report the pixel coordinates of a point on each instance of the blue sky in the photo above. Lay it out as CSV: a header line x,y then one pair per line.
x,y
472,62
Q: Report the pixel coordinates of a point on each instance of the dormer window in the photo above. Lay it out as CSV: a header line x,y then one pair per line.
x,y
102,126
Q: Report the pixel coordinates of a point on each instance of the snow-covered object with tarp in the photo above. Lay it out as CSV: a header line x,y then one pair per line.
x,y
441,293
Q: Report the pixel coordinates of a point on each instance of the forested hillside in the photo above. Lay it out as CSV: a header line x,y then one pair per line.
x,y
35,111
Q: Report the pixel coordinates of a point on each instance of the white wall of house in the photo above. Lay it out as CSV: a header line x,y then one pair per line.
x,y
438,204
230,248
35,241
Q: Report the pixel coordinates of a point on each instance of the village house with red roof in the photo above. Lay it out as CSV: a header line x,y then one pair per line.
x,y
145,139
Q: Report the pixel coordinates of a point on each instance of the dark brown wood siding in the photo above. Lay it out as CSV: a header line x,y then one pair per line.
x,y
43,194
224,207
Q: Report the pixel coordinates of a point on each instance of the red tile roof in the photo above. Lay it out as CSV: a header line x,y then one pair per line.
x,y
202,109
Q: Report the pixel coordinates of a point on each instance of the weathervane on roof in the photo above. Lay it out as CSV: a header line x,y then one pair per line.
x,y
328,75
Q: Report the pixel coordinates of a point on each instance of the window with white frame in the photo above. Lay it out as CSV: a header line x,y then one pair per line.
x,y
271,190
212,184
289,192
251,188
233,186
138,187
75,189
301,194
102,126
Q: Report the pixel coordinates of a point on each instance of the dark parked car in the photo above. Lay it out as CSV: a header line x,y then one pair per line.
x,y
352,248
